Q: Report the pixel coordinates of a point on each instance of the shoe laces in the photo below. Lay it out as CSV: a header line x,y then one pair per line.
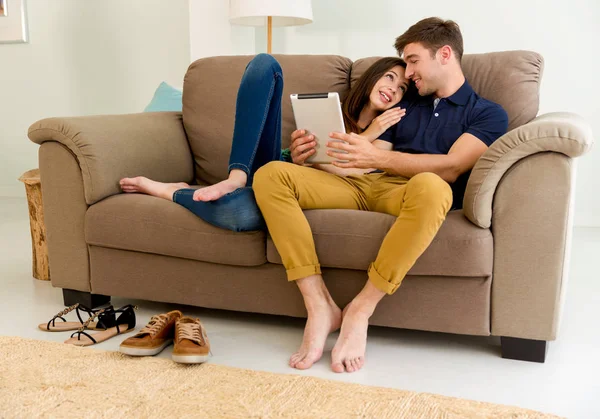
x,y
192,331
156,324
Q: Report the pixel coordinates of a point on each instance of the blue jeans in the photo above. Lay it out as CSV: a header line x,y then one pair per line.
x,y
256,142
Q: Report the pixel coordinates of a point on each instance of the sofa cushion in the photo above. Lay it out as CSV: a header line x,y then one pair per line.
x,y
147,224
509,78
210,92
459,249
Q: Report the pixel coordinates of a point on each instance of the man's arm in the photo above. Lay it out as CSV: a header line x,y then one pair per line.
x,y
361,154
490,123
461,158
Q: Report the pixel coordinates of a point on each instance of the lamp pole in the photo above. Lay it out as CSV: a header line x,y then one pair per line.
x,y
269,33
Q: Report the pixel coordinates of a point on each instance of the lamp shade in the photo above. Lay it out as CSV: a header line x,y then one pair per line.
x,y
283,12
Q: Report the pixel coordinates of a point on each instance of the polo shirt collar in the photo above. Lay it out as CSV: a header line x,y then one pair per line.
x,y
460,97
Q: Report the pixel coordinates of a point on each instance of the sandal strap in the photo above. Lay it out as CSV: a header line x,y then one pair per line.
x,y
53,321
92,317
127,312
83,308
96,314
128,315
60,315
100,324
80,332
78,308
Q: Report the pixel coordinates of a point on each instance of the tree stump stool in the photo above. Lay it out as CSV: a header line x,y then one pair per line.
x,y
39,249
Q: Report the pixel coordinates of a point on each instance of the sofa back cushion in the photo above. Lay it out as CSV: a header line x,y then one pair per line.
x,y
509,78
210,92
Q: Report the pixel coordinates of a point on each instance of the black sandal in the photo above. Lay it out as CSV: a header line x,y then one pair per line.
x,y
102,324
124,323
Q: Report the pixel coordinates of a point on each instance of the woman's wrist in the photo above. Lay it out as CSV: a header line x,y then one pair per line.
x,y
369,134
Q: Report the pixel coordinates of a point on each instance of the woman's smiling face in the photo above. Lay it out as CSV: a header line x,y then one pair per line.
x,y
389,89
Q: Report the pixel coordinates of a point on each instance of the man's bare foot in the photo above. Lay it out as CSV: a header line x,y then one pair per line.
x,y
322,320
349,351
147,186
237,179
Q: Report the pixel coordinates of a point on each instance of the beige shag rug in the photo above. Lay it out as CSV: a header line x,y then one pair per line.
x,y
47,379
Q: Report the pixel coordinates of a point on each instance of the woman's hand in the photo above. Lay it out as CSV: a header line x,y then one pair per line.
x,y
302,147
380,124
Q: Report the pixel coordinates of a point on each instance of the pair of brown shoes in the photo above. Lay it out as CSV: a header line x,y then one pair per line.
x,y
191,345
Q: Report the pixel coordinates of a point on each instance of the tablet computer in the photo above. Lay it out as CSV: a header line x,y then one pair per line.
x,y
319,114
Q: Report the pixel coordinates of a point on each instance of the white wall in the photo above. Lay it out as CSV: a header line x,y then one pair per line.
x,y
211,34
85,57
565,33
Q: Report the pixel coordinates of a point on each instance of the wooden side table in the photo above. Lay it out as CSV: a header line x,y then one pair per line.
x,y
39,249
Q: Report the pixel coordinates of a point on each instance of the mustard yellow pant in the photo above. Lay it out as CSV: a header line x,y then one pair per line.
x,y
421,203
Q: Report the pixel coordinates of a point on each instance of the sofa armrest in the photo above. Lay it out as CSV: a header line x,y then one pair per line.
x,y
559,132
110,147
64,217
523,187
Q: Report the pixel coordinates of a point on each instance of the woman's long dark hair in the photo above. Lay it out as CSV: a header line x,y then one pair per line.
x,y
359,94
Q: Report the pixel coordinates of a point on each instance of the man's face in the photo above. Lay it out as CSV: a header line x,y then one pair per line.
x,y
423,69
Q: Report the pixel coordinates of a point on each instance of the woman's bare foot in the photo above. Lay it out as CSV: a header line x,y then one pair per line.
x,y
147,186
321,322
237,179
216,191
349,351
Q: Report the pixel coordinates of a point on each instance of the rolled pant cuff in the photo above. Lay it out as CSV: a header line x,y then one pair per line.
x,y
303,271
380,282
238,166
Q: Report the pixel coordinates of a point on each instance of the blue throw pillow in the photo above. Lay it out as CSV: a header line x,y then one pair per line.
x,y
166,98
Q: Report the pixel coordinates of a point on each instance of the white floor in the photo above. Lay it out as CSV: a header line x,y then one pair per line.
x,y
451,365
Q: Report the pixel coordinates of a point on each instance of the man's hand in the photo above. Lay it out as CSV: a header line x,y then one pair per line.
x,y
380,124
302,147
359,153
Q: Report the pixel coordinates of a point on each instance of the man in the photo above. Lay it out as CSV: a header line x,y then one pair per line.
x,y
435,145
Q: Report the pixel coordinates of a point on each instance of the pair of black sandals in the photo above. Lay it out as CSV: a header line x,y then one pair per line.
x,y
108,321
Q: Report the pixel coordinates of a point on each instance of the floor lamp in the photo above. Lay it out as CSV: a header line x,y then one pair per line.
x,y
270,12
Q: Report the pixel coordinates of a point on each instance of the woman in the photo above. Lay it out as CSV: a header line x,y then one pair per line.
x,y
230,204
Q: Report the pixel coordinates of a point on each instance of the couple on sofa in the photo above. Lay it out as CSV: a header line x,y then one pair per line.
x,y
407,154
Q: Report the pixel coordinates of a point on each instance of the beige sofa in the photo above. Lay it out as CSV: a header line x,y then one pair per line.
x,y
497,268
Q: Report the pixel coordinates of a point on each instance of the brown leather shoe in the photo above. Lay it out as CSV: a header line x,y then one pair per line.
x,y
191,343
154,337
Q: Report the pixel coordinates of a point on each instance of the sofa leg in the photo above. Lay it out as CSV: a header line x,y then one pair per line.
x,y
524,349
89,300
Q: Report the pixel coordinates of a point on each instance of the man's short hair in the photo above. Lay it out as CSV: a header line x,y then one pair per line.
x,y
433,33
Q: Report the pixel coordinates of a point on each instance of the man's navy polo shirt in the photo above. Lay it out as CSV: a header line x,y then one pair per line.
x,y
425,130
